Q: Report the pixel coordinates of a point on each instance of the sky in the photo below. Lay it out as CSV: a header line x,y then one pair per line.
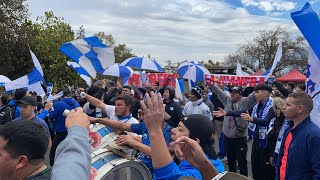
x,y
176,30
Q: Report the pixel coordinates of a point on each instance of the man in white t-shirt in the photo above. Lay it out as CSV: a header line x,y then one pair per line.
x,y
121,111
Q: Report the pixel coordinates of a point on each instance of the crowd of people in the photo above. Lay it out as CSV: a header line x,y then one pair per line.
x,y
176,138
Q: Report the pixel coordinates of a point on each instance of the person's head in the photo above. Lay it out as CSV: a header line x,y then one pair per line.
x,y
262,92
23,145
290,86
20,93
126,90
117,93
198,128
123,104
168,94
236,93
205,94
28,104
298,106
33,93
4,100
278,106
300,88
195,94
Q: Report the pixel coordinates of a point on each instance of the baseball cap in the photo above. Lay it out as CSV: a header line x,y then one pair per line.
x,y
27,100
237,89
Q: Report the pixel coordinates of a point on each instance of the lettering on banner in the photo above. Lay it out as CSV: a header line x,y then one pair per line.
x,y
234,80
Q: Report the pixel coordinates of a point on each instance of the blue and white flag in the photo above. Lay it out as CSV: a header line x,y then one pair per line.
x,y
276,60
30,81
81,71
37,67
4,80
313,85
309,24
178,89
90,54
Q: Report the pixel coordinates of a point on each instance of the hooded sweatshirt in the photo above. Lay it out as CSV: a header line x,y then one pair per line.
x,y
173,109
59,107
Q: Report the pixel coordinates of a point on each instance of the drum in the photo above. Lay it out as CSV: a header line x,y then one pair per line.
x,y
102,136
107,165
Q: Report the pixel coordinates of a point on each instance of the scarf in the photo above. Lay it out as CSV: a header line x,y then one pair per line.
x,y
263,131
283,129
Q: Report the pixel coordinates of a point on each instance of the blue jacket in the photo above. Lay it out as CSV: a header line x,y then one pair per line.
x,y
303,155
56,114
17,114
173,171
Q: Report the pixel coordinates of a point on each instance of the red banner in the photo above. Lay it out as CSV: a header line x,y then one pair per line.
x,y
234,80
150,79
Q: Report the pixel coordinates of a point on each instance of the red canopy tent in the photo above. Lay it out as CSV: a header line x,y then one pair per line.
x,y
293,76
257,73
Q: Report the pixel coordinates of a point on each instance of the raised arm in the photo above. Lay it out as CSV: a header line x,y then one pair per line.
x,y
220,94
94,101
153,112
116,125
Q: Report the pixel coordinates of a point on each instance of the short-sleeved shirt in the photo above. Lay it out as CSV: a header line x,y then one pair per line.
x,y
110,112
37,120
44,175
141,129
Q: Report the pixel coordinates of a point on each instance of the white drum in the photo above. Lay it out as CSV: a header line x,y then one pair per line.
x,y
107,165
102,136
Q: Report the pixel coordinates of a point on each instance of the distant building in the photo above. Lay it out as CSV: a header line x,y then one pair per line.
x,y
223,70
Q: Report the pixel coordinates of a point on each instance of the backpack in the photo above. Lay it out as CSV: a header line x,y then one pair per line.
x,y
6,114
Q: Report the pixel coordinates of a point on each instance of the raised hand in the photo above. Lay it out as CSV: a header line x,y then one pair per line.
x,y
219,113
153,111
77,117
188,149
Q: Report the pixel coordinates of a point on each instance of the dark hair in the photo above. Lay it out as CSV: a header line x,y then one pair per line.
x,y
263,87
302,86
25,138
4,99
304,100
19,93
127,87
127,100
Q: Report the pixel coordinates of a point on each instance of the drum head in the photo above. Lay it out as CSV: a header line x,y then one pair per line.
x,y
131,170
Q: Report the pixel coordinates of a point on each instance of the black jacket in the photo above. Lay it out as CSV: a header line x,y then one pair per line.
x,y
174,110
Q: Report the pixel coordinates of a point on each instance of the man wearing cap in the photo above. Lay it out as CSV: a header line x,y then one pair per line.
x,y
28,104
196,105
235,129
259,117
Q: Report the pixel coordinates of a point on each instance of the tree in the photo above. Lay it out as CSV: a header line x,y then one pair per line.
x,y
81,33
259,53
15,59
122,52
49,33
106,39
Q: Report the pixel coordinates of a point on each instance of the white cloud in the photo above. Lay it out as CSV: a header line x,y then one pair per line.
x,y
270,5
166,29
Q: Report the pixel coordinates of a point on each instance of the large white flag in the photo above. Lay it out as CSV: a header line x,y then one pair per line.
x,y
313,85
276,60
239,71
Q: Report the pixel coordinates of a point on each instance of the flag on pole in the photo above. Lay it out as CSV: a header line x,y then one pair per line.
x,y
309,24
90,54
81,71
276,60
313,85
239,71
30,81
178,90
